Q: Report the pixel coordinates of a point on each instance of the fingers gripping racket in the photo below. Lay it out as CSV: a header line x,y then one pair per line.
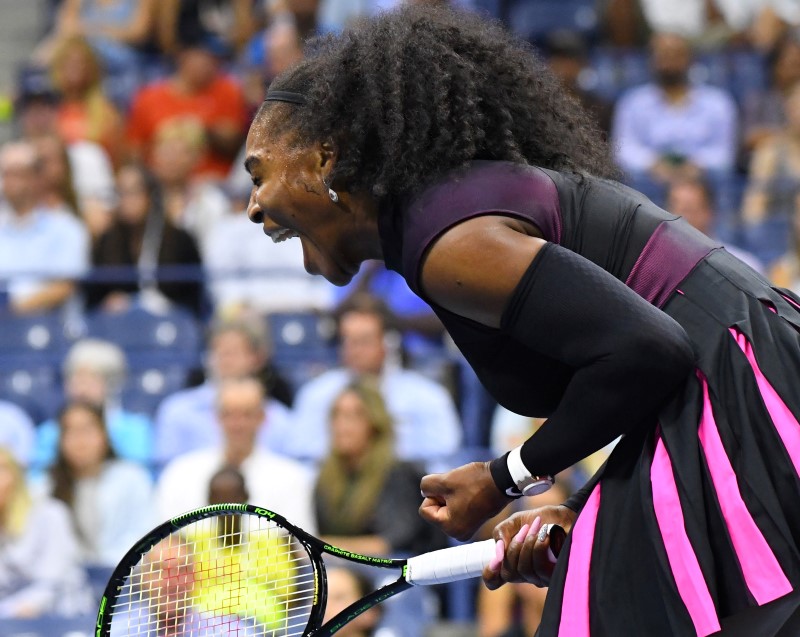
x,y
237,569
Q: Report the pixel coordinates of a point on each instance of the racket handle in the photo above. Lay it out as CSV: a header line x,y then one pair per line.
x,y
450,565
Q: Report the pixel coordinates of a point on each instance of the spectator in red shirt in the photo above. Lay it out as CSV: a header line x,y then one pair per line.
x,y
199,89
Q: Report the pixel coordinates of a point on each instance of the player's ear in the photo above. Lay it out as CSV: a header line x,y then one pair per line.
x,y
325,159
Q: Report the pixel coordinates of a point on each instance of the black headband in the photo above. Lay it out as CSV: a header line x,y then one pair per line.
x,y
285,96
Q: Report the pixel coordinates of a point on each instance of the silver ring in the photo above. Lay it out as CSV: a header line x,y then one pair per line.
x,y
544,532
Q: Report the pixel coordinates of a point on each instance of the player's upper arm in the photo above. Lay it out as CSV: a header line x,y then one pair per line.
x,y
473,268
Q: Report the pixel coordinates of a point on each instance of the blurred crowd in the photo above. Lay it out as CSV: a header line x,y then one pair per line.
x,y
124,202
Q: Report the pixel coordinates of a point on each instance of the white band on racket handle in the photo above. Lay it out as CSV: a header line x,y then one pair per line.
x,y
526,483
450,565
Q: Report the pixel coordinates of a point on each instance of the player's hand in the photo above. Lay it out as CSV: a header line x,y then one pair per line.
x,y
460,500
527,557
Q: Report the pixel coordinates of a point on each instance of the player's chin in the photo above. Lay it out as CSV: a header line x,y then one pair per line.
x,y
336,273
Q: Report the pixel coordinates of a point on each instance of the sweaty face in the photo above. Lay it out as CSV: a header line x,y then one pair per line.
x,y
291,200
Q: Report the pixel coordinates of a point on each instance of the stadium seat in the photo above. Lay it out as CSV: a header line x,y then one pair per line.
x,y
535,20
303,344
150,340
28,342
146,387
36,389
768,240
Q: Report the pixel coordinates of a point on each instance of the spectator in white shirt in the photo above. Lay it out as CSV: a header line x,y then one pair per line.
x,y
274,482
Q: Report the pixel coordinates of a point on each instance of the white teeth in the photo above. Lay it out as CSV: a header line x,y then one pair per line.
x,y
282,235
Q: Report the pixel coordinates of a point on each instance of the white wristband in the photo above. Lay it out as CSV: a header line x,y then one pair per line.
x,y
527,484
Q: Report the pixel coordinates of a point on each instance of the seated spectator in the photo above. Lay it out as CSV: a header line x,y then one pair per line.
x,y
187,420
247,275
94,372
84,112
693,200
785,272
143,258
117,29
57,188
179,21
567,55
267,55
109,498
41,252
36,111
366,500
16,432
198,88
427,428
421,329
346,586
40,570
763,114
671,127
722,21
273,481
773,187
155,602
194,206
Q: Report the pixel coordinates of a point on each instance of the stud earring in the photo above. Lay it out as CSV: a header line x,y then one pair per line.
x,y
333,195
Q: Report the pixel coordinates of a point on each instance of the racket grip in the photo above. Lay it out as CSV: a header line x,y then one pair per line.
x,y
450,565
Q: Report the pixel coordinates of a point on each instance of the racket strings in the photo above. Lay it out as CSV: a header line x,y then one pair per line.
x,y
234,574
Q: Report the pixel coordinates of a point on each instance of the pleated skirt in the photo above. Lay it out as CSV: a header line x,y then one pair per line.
x,y
694,528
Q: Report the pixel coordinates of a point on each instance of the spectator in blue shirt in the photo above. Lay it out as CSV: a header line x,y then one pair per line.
x,y
427,427
41,252
671,127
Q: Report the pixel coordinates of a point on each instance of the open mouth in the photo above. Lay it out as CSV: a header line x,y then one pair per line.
x,y
281,234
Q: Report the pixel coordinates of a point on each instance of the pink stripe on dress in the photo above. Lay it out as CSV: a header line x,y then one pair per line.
x,y
784,420
791,300
762,573
683,562
575,607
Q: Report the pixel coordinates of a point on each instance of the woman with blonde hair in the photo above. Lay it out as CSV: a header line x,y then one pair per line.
x,y
366,499
40,571
85,112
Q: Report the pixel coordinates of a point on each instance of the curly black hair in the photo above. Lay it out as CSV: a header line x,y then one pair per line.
x,y
415,93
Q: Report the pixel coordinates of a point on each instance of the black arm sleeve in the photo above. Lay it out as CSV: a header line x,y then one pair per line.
x,y
628,356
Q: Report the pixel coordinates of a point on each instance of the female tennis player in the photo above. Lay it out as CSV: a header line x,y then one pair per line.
x,y
434,141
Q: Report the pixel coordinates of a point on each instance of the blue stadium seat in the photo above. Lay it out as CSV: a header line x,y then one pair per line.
x,y
146,387
303,344
150,340
768,240
615,70
535,19
32,341
36,389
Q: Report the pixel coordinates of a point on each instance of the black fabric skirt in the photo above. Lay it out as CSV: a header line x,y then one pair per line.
x,y
695,526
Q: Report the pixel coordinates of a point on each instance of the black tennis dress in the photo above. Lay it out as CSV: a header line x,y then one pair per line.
x,y
694,524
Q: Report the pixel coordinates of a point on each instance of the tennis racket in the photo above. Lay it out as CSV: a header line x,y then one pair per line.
x,y
237,569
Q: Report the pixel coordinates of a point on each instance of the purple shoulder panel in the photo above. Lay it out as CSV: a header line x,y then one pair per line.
x,y
510,189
